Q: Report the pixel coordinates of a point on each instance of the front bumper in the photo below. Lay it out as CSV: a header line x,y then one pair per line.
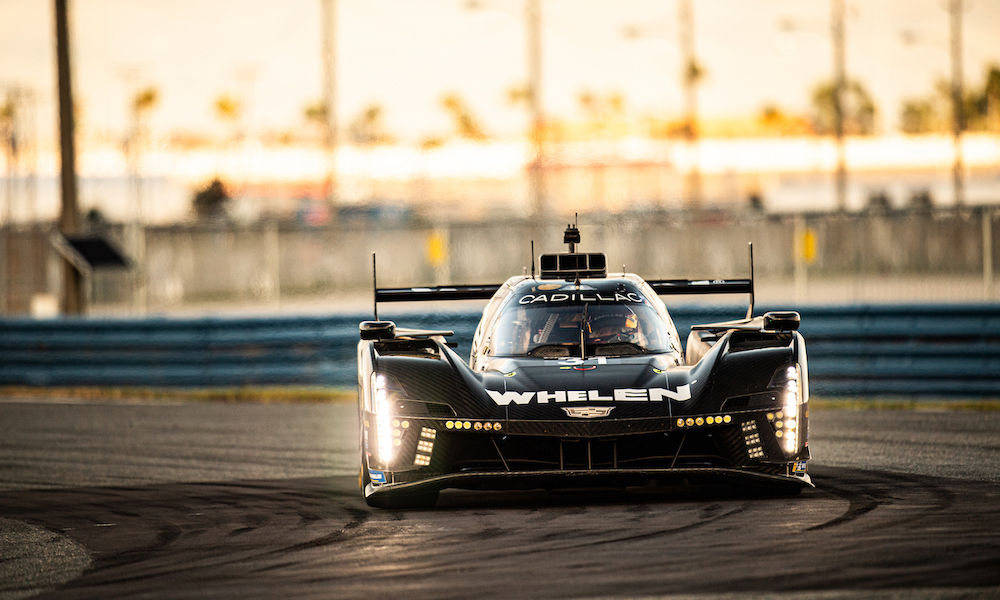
x,y
597,478
432,454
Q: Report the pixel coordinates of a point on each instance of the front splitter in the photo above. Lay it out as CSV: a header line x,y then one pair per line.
x,y
597,478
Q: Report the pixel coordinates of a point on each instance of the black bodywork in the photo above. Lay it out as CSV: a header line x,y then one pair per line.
x,y
732,407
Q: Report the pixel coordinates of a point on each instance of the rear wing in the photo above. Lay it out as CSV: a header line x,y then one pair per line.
x,y
422,294
449,292
667,287
663,287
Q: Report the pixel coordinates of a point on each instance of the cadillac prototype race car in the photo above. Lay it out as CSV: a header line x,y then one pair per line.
x,y
577,379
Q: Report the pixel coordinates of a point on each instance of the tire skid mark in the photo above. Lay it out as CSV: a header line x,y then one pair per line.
x,y
587,543
167,534
867,495
275,567
716,516
439,557
357,519
488,533
417,548
185,515
215,559
858,504
944,498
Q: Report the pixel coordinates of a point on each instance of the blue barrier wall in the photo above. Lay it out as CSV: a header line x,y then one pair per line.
x,y
932,350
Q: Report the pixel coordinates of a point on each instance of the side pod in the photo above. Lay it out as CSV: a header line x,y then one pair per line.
x,y
703,337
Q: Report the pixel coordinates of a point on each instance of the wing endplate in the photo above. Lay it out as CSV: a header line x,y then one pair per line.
x,y
669,287
449,292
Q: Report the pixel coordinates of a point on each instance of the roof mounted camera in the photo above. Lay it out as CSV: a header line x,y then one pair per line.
x,y
572,237
573,265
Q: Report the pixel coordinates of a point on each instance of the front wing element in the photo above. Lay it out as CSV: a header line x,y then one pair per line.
x,y
596,478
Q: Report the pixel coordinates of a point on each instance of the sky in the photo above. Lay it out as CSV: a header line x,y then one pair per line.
x,y
406,54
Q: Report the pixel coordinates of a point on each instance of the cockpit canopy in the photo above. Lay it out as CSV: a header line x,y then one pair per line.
x,y
550,320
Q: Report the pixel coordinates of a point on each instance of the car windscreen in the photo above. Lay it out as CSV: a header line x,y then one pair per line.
x,y
557,329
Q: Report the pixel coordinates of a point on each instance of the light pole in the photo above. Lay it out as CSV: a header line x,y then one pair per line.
x,y
533,13
329,33
73,302
839,85
532,94
691,73
958,112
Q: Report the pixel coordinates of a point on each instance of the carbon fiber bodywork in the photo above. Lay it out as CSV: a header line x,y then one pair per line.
x,y
614,415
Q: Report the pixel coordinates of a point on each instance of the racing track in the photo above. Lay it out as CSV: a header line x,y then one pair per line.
x,y
260,501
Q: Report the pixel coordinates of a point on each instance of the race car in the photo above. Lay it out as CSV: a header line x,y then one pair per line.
x,y
577,378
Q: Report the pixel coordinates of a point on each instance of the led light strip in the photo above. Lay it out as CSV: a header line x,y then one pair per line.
x,y
425,447
477,425
699,421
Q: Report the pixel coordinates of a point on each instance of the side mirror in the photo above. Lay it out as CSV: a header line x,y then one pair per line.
x,y
781,321
377,330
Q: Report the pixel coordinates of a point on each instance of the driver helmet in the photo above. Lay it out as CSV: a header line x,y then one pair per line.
x,y
614,327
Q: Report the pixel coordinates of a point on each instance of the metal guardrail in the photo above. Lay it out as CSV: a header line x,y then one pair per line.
x,y
854,350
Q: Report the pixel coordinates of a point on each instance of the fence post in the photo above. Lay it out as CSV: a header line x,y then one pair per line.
x,y
798,255
987,254
272,261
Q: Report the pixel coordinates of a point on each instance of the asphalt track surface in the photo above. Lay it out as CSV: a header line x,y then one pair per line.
x,y
261,501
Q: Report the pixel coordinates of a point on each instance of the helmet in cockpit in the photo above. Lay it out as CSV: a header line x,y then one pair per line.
x,y
619,325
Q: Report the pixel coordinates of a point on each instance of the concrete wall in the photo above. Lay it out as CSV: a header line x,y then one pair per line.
x,y
895,257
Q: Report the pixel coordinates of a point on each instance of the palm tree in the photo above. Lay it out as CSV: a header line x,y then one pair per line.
x,y
369,128
228,110
859,109
143,103
316,114
466,124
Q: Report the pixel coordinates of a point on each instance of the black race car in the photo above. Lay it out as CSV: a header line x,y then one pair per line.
x,y
577,378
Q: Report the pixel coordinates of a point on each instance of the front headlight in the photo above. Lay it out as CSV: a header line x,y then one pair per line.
x,y
788,427
386,442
